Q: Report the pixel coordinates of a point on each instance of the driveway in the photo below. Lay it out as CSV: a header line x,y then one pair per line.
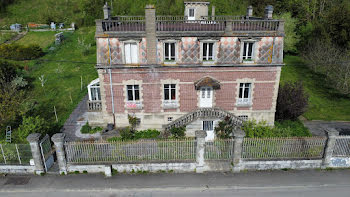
x,y
317,127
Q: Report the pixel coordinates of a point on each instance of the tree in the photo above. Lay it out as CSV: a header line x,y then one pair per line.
x,y
32,125
224,128
292,101
291,38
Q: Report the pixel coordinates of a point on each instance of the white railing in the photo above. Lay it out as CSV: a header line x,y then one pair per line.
x,y
219,149
283,148
165,150
94,105
15,154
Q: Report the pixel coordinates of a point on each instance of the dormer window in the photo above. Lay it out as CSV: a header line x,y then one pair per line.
x,y
248,50
191,14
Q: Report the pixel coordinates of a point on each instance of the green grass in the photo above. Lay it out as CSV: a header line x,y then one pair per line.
x,y
43,39
6,36
41,11
63,69
325,103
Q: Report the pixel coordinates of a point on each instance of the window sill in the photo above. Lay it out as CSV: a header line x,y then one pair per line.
x,y
208,62
170,104
170,63
244,104
133,105
248,62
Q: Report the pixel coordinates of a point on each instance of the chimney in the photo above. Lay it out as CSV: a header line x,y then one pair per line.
x,y
106,12
150,18
212,12
249,11
268,12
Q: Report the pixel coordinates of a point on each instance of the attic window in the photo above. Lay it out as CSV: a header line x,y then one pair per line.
x,y
191,14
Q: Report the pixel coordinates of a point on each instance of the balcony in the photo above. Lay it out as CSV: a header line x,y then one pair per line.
x,y
94,106
180,24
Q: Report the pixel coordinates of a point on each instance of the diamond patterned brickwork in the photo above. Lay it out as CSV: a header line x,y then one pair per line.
x,y
143,51
190,50
229,48
264,51
102,51
278,53
159,52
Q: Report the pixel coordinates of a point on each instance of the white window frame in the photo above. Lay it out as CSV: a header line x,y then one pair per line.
x,y
213,60
241,100
133,90
165,60
137,51
170,92
170,104
253,55
95,84
207,125
194,14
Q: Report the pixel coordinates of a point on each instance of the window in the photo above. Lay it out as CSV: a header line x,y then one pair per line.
x,y
169,92
169,52
133,92
191,14
208,50
248,51
244,93
130,52
243,117
208,125
94,90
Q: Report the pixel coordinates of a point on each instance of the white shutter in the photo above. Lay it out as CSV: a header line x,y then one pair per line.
x,y
134,54
127,54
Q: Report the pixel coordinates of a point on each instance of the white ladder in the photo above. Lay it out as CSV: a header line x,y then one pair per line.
x,y
8,134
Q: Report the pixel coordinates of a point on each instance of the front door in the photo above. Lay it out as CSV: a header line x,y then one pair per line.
x,y
208,126
206,97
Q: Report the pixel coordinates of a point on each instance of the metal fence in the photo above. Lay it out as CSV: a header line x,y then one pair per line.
x,y
182,150
219,149
15,154
342,147
283,148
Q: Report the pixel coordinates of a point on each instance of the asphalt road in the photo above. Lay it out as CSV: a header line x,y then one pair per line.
x,y
269,183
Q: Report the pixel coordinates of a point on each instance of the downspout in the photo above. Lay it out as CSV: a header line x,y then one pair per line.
x,y
110,80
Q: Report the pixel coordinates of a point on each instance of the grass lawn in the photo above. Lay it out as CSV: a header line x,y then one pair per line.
x,y
325,103
6,36
43,39
62,70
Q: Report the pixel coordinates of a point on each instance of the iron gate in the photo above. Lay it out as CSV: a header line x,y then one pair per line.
x,y
46,152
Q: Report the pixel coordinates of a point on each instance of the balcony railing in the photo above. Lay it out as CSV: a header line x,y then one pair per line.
x,y
94,106
181,24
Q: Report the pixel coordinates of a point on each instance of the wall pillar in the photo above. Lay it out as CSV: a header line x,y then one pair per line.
x,y
200,137
33,140
58,140
151,46
332,136
237,150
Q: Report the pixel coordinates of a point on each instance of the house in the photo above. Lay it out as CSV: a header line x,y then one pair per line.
x,y
190,70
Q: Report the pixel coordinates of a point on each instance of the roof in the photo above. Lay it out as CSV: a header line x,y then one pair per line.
x,y
196,2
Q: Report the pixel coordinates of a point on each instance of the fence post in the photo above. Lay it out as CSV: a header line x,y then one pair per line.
x,y
58,140
332,136
237,150
200,137
33,140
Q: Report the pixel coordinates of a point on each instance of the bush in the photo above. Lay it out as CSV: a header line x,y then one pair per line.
x,y
32,125
87,129
127,133
178,132
292,101
286,128
20,52
224,128
146,134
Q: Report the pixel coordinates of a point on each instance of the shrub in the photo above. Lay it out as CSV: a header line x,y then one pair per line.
x,y
286,128
146,134
20,52
126,133
87,129
32,125
178,132
292,101
224,128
